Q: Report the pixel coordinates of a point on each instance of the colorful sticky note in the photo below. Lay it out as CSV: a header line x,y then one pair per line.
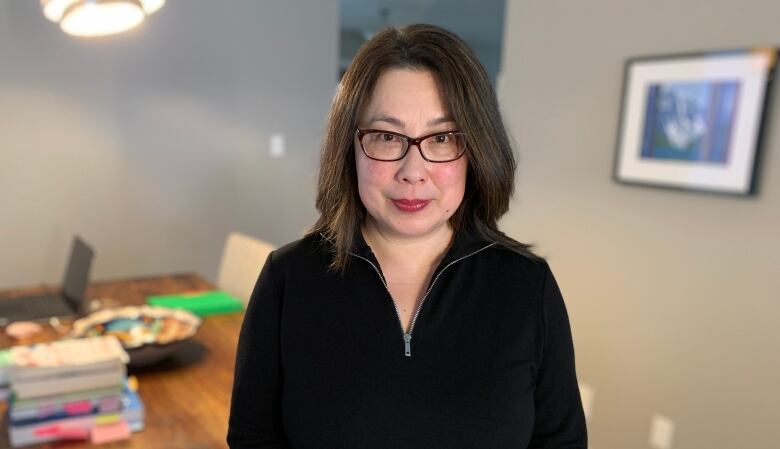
x,y
110,432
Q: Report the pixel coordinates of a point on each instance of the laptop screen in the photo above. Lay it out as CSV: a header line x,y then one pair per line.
x,y
77,274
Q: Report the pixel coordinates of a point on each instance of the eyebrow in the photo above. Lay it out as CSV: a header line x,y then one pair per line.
x,y
397,122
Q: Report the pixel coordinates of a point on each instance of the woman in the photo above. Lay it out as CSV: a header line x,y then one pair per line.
x,y
406,319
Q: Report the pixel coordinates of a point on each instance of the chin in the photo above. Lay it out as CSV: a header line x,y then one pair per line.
x,y
412,230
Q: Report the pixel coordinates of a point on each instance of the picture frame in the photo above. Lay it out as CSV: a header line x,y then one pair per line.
x,y
695,121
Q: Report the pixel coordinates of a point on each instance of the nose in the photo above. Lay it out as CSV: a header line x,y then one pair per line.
x,y
413,168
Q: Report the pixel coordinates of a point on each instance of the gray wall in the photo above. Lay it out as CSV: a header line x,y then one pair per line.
x,y
673,296
154,144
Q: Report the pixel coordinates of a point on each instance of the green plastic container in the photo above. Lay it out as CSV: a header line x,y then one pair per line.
x,y
201,303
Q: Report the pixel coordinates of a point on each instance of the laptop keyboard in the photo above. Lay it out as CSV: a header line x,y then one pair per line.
x,y
33,307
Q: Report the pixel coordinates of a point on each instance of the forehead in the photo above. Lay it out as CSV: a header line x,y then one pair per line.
x,y
405,93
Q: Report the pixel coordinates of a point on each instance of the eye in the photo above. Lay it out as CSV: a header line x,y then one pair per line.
x,y
441,138
387,137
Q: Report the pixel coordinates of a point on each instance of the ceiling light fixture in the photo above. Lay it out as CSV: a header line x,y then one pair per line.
x,y
89,18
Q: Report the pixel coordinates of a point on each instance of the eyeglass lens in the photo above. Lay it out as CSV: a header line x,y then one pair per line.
x,y
389,147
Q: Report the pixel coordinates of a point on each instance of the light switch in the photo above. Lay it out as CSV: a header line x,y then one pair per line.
x,y
277,146
587,394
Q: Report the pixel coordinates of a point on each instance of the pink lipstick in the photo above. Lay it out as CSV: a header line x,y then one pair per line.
x,y
410,205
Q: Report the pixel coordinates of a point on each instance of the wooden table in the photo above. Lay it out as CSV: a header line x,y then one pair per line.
x,y
187,396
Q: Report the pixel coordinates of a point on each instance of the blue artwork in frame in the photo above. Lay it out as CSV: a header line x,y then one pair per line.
x,y
695,121
690,121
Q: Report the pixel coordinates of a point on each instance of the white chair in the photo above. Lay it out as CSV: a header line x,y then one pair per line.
x,y
242,260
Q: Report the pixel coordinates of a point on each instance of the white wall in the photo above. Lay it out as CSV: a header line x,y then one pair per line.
x,y
673,296
153,144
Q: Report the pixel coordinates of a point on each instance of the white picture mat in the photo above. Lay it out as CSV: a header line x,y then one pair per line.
x,y
734,176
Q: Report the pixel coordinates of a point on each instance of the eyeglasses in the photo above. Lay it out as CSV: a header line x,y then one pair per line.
x,y
389,146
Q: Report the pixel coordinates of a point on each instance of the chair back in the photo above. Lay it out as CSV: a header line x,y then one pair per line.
x,y
242,259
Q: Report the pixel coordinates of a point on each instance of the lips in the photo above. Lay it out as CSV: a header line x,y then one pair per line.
x,y
408,205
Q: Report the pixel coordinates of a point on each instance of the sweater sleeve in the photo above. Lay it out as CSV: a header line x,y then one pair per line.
x,y
560,421
255,409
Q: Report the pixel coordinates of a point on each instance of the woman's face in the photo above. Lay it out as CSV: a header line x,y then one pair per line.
x,y
412,197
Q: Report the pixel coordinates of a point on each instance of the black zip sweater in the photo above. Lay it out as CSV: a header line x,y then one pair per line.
x,y
322,360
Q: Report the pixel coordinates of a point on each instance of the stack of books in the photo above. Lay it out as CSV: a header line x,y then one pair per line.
x,y
5,363
71,389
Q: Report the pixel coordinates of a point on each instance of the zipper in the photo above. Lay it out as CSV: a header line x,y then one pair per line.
x,y
407,336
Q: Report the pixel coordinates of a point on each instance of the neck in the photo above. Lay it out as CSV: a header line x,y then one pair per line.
x,y
407,252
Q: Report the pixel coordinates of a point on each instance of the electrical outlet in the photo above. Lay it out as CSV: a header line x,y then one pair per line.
x,y
587,394
661,432
277,149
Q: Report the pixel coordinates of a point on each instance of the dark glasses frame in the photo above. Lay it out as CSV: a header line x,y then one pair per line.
x,y
409,142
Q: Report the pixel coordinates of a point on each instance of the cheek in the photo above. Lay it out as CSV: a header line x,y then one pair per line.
x,y
451,178
367,171
451,181
376,170
372,175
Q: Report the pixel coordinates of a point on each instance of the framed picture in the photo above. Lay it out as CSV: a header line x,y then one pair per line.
x,y
694,121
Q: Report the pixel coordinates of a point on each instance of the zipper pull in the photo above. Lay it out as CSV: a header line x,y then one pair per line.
x,y
408,345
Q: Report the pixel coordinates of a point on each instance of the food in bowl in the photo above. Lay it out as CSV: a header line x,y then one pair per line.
x,y
137,326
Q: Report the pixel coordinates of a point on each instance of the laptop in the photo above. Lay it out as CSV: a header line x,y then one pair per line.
x,y
67,303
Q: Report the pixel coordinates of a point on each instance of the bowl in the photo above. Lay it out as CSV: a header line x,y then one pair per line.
x,y
148,334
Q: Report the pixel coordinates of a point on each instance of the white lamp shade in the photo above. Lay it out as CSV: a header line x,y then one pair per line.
x,y
54,9
89,18
151,6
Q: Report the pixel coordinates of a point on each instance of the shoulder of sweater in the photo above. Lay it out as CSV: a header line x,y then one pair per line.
x,y
509,257
307,248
